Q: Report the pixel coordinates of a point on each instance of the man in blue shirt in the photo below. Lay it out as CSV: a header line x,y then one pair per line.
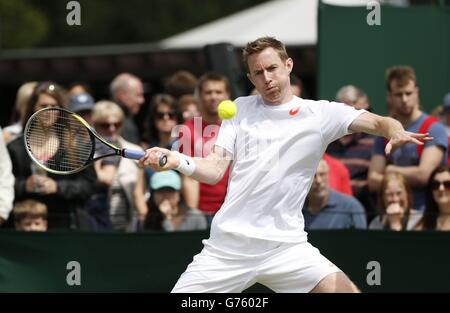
x,y
328,209
415,164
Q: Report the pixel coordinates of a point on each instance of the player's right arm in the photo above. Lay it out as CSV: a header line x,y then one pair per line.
x,y
209,170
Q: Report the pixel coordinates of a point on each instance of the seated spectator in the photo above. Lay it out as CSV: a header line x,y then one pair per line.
x,y
14,130
181,83
95,217
30,215
396,204
355,150
437,212
6,183
354,97
64,195
162,117
414,162
197,137
167,212
118,175
78,87
188,106
127,90
328,209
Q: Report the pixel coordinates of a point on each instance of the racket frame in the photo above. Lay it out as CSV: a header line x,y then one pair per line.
x,y
92,133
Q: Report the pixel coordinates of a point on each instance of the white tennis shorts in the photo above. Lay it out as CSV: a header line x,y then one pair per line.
x,y
284,267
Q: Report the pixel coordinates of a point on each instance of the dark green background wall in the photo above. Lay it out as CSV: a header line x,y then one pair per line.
x,y
352,52
152,262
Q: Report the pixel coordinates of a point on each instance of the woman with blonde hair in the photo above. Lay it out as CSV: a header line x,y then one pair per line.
x,y
64,195
14,130
116,175
396,204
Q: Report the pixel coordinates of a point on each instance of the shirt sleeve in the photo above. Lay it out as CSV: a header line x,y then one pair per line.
x,y
335,119
440,138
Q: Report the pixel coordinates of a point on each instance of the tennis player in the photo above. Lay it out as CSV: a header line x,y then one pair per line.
x,y
275,143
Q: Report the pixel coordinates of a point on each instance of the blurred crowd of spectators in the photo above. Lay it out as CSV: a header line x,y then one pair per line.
x,y
356,184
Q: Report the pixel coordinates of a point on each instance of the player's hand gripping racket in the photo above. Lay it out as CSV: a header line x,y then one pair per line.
x,y
62,142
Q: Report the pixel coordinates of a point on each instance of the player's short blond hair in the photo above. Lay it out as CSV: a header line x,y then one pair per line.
x,y
262,43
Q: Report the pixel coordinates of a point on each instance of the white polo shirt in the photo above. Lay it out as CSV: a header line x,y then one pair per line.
x,y
276,150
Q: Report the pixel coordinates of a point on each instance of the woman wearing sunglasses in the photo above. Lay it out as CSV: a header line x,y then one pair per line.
x,y
117,175
437,212
162,117
64,196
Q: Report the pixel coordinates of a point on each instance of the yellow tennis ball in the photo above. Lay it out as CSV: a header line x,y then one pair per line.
x,y
227,109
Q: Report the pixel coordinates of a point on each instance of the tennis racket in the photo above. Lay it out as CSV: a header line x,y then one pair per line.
x,y
62,142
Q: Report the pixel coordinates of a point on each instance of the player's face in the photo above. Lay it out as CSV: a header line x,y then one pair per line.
x,y
395,193
270,75
32,224
211,94
403,100
441,194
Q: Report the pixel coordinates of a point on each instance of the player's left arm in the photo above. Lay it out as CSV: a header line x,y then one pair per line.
x,y
431,157
388,128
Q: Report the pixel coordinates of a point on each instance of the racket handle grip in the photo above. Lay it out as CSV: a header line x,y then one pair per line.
x,y
137,155
133,154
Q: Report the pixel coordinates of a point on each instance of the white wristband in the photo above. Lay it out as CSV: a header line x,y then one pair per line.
x,y
187,164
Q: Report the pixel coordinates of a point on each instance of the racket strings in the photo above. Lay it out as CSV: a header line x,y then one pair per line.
x,y
59,141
